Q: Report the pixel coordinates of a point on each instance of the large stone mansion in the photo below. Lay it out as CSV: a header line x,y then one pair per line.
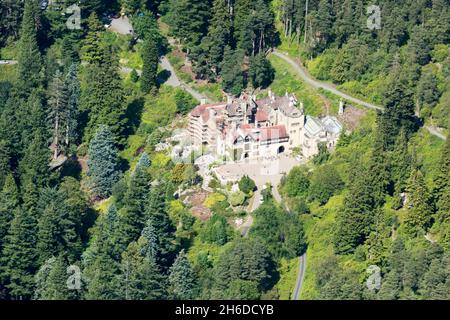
x,y
247,128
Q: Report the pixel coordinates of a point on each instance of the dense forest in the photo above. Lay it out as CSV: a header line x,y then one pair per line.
x,y
84,190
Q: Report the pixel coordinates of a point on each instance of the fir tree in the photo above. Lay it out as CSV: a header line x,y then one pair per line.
x,y
165,231
419,203
51,281
93,51
140,277
261,71
182,280
103,100
150,69
103,163
135,202
57,102
70,115
29,56
442,186
9,201
355,219
232,74
19,255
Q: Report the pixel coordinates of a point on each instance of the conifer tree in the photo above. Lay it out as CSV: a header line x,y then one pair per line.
x,y
162,225
232,74
419,203
261,71
103,169
442,188
140,277
72,87
101,260
57,102
354,221
93,51
219,34
30,60
188,20
182,280
51,281
104,99
135,202
379,172
9,201
34,165
150,69
19,255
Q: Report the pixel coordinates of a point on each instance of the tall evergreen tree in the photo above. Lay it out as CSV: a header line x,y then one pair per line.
x,y
19,255
103,169
189,20
30,60
9,201
354,221
150,69
57,102
419,204
71,112
442,189
51,281
93,50
182,280
103,100
232,74
140,277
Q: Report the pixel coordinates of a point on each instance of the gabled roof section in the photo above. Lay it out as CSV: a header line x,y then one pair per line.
x,y
313,126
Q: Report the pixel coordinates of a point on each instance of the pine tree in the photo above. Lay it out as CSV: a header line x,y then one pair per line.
x,y
399,107
400,166
419,203
34,165
51,281
353,223
70,116
9,201
261,71
104,99
140,277
29,56
103,169
101,260
57,103
379,171
232,74
324,24
189,20
219,34
93,51
19,255
150,69
182,280
157,216
135,202
442,186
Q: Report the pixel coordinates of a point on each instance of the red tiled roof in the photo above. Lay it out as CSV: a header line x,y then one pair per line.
x,y
261,116
200,109
275,132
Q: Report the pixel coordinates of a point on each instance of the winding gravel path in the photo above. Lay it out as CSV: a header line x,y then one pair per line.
x,y
303,73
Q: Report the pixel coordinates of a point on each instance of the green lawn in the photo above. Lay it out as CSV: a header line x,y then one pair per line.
x,y
287,79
